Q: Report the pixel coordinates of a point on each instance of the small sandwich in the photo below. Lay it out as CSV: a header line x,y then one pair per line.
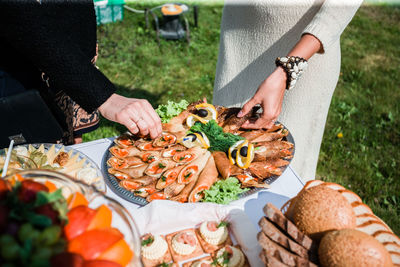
x,y
230,256
184,245
213,235
154,250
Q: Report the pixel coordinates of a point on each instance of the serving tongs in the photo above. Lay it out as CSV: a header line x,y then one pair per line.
x,y
10,148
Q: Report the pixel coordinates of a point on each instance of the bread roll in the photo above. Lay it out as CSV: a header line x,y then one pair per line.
x,y
350,247
320,209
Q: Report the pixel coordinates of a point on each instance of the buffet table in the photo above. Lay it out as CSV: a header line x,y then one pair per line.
x,y
284,188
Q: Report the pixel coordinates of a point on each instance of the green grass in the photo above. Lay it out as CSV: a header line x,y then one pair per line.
x,y
365,107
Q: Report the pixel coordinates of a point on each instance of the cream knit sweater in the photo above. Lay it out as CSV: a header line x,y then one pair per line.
x,y
254,33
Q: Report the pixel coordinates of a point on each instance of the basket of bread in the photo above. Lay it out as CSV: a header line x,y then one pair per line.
x,y
326,225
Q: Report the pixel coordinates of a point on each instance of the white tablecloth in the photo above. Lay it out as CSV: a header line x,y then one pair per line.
x,y
284,188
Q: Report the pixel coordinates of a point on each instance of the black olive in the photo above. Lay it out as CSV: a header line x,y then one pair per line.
x,y
202,113
234,153
193,136
243,151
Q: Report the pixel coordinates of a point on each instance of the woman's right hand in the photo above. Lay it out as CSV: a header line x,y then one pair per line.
x,y
136,114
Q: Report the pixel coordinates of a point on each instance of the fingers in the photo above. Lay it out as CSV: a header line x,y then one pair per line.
x,y
129,120
247,107
154,116
259,123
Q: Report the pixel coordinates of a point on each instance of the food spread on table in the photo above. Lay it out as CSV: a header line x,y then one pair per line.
x,y
202,155
40,227
54,157
209,244
327,225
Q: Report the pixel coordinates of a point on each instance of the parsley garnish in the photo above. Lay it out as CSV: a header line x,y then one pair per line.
x,y
163,178
187,175
147,241
222,224
161,166
182,158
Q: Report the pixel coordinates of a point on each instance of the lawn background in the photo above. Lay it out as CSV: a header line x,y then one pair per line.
x,y
365,108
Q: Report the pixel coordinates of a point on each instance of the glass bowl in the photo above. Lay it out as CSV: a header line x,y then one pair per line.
x,y
121,218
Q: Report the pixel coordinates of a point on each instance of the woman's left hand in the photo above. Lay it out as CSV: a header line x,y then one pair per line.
x,y
270,96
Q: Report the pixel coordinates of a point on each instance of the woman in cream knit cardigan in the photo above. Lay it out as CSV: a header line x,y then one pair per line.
x,y
253,34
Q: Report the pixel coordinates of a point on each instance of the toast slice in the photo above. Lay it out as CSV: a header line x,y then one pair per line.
x,y
276,216
277,236
210,248
270,260
281,253
152,263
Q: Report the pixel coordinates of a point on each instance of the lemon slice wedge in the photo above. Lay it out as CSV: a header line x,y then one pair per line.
x,y
245,154
206,111
192,119
232,151
195,139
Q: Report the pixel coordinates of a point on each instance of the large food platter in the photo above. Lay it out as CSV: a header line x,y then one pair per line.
x,y
131,195
113,183
77,163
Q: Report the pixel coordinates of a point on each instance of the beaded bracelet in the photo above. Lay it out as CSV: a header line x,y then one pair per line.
x,y
294,68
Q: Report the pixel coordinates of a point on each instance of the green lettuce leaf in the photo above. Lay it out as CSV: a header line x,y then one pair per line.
x,y
224,191
171,109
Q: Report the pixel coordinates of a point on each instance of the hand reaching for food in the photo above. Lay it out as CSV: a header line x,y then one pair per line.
x,y
136,114
270,96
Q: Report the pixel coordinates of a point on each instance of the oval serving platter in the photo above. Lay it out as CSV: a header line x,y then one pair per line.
x,y
113,182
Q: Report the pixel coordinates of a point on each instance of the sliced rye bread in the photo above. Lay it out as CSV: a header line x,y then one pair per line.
x,y
371,227
360,208
395,258
270,260
312,183
334,186
386,236
276,216
350,196
279,237
282,253
392,247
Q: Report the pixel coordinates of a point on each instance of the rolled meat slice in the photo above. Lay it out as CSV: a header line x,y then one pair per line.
x,y
149,157
145,180
183,196
262,153
188,155
135,172
123,163
125,141
206,179
165,140
124,152
223,165
129,184
171,151
264,170
145,145
156,196
192,170
264,135
249,181
173,189
144,191
119,175
156,168
168,177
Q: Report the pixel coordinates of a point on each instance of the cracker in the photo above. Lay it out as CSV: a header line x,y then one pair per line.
x,y
188,264
210,248
153,263
246,262
178,258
